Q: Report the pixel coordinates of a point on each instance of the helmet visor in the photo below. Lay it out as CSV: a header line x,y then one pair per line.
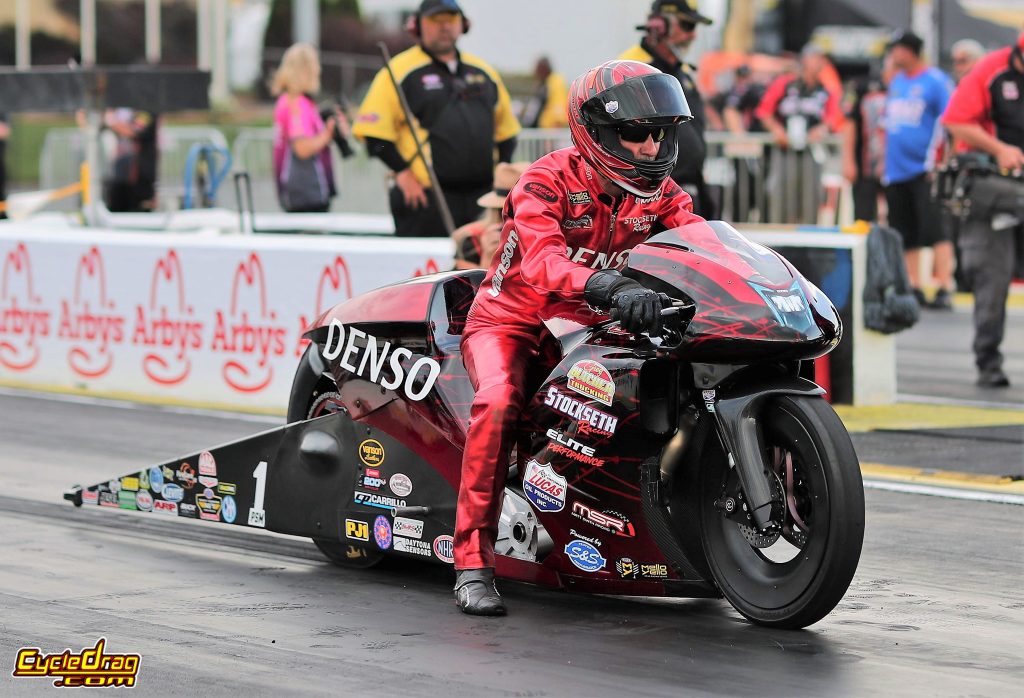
x,y
657,98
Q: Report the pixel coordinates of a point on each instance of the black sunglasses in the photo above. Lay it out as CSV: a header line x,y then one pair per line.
x,y
687,26
639,133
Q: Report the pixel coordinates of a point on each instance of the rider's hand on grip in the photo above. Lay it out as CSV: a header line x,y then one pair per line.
x,y
637,308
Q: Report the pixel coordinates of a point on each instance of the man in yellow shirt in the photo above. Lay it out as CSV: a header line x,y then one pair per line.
x,y
462,114
548,106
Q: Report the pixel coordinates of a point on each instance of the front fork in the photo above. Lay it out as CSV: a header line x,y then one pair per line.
x,y
737,411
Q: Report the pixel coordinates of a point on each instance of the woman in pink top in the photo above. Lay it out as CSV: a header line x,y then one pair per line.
x,y
299,132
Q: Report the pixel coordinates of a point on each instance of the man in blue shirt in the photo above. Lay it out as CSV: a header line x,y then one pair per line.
x,y
917,98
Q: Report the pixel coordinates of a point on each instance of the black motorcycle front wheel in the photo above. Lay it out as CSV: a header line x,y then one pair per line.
x,y
794,577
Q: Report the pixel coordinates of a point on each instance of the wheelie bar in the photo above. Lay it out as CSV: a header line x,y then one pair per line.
x,y
736,416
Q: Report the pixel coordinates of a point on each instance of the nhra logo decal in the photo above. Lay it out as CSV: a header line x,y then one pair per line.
x,y
444,549
584,556
371,452
417,382
591,419
578,198
592,380
20,324
382,532
377,500
541,191
544,487
610,521
507,251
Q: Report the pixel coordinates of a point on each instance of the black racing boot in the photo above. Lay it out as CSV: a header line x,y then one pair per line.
x,y
476,594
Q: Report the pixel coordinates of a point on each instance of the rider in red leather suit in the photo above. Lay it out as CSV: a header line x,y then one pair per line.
x,y
569,224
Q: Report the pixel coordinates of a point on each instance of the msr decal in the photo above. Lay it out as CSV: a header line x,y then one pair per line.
x,y
22,318
610,521
251,339
505,263
369,360
592,380
166,325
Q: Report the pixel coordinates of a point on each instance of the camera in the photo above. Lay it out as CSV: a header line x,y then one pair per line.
x,y
328,111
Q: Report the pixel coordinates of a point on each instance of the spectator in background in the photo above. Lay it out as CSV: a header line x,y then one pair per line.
x,y
302,157
965,54
131,183
463,112
547,108
864,141
799,110
5,133
476,242
739,105
670,30
987,113
918,95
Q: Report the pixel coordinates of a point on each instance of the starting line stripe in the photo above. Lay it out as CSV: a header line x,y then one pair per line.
x,y
944,483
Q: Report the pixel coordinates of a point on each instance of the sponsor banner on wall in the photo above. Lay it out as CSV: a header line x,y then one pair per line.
x,y
183,317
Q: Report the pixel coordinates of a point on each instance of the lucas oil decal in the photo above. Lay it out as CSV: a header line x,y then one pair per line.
x,y
544,487
593,380
417,381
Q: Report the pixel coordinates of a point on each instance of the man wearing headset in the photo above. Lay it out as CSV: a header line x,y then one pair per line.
x,y
670,30
569,224
462,111
986,112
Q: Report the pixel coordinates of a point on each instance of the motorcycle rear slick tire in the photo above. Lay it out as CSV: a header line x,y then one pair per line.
x,y
801,591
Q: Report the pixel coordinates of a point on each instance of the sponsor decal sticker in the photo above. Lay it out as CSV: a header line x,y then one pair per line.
x,y
162,507
1010,91
628,569
584,556
371,453
108,499
606,520
541,191
589,539
227,488
207,481
580,197
377,500
126,500
144,480
186,476
444,547
156,479
400,484
544,487
144,500
560,450
583,222
409,545
357,530
209,506
417,380
408,528
372,479
207,465
508,250
228,509
172,492
595,421
382,532
90,497
189,511
92,667
592,380
130,483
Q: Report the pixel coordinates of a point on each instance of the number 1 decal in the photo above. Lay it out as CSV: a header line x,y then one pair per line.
x,y
258,517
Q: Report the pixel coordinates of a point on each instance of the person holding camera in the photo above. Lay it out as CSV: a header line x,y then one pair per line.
x,y
670,30
302,136
461,112
986,112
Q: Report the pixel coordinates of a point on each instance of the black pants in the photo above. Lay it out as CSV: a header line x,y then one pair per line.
x,y
988,257
865,199
426,221
913,213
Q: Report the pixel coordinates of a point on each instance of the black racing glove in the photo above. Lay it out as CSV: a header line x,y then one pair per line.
x,y
638,308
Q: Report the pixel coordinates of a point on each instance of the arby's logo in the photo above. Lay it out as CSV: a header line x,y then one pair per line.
x,y
166,324
250,337
333,286
22,317
88,320
429,268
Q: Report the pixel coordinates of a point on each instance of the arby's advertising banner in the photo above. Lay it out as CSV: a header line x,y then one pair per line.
x,y
186,318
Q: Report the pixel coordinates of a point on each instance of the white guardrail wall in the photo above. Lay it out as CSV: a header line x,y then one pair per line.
x,y
195,319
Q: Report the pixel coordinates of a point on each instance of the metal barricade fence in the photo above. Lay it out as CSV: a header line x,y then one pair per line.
x,y
63,152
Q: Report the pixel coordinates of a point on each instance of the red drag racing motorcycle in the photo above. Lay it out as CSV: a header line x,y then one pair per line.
x,y
697,463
